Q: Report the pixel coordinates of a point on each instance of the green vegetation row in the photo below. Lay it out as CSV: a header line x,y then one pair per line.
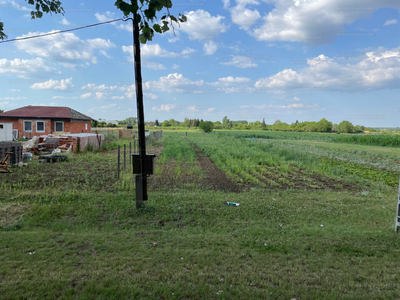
x,y
391,140
176,147
248,161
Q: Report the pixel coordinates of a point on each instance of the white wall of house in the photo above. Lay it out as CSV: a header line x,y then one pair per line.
x,y
6,132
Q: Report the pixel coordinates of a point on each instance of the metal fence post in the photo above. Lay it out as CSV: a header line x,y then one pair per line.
x,y
124,157
118,160
130,156
134,146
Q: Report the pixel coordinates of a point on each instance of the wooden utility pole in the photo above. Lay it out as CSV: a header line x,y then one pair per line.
x,y
141,179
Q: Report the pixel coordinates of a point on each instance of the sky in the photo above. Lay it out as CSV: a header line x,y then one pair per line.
x,y
245,59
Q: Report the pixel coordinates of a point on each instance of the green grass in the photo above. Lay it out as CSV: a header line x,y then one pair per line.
x,y
382,139
190,245
186,244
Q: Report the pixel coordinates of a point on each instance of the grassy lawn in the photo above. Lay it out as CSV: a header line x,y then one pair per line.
x,y
89,242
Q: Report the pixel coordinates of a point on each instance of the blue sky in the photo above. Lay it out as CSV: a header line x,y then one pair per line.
x,y
246,59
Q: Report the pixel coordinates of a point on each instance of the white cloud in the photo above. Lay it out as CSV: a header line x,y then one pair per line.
x,y
175,66
51,84
155,50
296,20
65,22
240,61
299,105
153,65
379,69
201,25
13,4
108,16
94,87
231,79
296,99
13,98
243,16
390,22
64,48
57,97
100,95
117,97
14,90
24,67
150,96
165,107
173,83
210,47
85,96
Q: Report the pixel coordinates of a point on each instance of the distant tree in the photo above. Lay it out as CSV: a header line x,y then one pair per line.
x,y
1,111
165,124
206,126
324,125
224,119
246,126
95,123
263,123
345,127
156,123
334,127
277,122
370,129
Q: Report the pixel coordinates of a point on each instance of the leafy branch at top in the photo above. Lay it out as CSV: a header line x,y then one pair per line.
x,y
146,13
41,6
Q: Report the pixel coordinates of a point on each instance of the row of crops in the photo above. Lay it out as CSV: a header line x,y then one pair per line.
x,y
252,162
391,140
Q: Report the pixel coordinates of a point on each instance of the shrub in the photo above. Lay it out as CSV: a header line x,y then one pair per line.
x,y
206,126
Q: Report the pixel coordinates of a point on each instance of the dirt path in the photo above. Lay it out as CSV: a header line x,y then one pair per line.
x,y
202,174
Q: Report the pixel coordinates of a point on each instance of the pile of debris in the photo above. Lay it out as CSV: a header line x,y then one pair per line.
x,y
65,142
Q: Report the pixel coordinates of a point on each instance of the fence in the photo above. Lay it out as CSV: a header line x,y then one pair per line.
x,y
155,136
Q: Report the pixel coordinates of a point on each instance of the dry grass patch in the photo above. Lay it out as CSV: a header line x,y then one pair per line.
x,y
11,213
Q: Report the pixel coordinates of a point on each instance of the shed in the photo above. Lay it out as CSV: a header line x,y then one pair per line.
x,y
6,132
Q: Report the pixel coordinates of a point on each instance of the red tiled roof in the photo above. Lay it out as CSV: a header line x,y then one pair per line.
x,y
51,112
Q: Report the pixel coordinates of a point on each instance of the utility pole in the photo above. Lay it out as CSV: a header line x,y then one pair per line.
x,y
141,179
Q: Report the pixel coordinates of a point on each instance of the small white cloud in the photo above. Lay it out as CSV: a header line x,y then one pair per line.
x,y
210,47
150,96
85,96
390,22
117,97
99,95
296,99
14,90
241,62
165,107
63,84
65,22
175,66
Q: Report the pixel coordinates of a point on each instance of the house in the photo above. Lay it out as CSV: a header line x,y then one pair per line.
x,y
32,121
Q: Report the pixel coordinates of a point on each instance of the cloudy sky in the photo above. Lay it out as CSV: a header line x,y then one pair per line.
x,y
246,59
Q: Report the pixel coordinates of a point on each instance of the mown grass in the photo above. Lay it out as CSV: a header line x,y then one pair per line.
x,y
79,244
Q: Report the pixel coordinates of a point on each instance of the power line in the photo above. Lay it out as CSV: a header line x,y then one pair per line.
x,y
61,31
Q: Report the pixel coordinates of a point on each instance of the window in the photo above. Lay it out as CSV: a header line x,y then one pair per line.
x,y
85,126
39,126
1,126
28,126
60,126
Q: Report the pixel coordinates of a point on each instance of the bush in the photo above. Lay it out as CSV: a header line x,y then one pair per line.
x,y
206,126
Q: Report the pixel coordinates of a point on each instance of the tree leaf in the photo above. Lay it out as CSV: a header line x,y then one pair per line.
x,y
157,28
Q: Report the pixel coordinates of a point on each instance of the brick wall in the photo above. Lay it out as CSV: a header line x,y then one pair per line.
x,y
76,126
19,125
49,126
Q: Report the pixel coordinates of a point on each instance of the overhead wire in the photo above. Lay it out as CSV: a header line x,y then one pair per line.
x,y
61,31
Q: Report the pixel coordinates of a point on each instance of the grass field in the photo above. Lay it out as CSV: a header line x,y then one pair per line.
x,y
71,230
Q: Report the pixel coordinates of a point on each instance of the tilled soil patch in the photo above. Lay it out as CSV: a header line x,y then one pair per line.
x,y
202,174
299,179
